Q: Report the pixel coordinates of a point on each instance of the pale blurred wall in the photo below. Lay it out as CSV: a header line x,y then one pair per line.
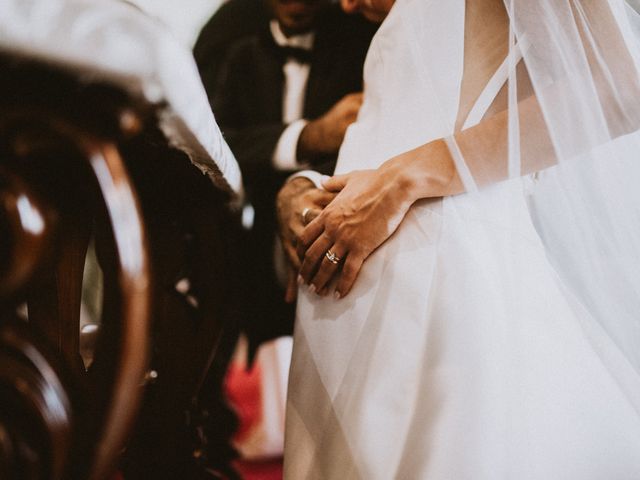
x,y
184,17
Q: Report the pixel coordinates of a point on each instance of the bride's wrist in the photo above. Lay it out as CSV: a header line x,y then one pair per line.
x,y
397,174
444,175
429,171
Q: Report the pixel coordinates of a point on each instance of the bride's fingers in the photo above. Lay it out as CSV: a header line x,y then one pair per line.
x,y
313,257
349,273
329,266
335,183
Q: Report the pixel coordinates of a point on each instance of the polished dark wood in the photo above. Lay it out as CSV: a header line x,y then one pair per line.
x,y
184,426
91,164
53,294
36,418
79,174
25,222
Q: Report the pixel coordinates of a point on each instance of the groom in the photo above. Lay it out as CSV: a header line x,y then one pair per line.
x,y
283,78
302,198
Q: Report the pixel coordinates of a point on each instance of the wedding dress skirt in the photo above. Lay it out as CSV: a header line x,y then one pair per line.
x,y
460,353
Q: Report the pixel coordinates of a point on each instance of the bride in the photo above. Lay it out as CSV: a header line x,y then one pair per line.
x,y
483,250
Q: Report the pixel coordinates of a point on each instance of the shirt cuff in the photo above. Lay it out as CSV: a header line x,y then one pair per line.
x,y
284,157
315,177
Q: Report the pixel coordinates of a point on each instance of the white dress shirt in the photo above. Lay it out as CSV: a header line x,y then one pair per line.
x,y
296,75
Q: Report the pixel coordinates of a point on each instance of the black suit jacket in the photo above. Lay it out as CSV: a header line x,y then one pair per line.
x,y
246,93
233,21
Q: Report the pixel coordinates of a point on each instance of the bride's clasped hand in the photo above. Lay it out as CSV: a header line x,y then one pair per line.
x,y
368,208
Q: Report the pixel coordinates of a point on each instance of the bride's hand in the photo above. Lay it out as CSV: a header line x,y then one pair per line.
x,y
370,206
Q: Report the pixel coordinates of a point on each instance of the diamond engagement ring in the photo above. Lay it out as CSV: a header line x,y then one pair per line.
x,y
332,257
304,214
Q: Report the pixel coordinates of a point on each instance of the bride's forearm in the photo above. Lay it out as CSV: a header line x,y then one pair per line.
x,y
430,171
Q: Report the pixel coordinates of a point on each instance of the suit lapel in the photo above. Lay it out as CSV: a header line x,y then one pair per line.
x,y
270,90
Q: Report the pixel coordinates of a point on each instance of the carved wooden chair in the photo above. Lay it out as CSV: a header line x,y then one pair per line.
x,y
93,152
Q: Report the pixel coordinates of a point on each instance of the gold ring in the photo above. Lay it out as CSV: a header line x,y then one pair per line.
x,y
304,214
332,257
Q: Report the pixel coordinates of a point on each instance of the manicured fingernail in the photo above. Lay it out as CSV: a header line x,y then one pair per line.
x,y
336,295
324,178
312,288
300,280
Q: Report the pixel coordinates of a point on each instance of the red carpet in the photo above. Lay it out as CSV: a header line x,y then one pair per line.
x,y
243,391
267,470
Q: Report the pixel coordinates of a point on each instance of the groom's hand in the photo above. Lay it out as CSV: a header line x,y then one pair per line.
x,y
323,136
297,204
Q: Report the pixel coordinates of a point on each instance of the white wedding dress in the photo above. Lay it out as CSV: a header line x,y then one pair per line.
x,y
464,350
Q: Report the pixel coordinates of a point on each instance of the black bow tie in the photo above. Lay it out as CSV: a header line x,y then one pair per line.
x,y
300,55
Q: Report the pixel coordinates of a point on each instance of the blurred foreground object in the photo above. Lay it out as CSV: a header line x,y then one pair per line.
x,y
102,121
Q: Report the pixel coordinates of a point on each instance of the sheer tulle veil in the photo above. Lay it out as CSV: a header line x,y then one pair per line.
x,y
571,128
